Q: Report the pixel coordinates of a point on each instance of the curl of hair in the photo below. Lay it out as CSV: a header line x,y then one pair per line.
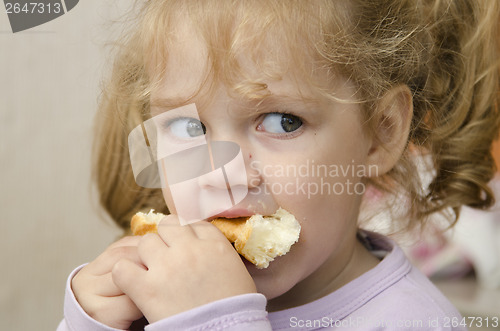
x,y
449,57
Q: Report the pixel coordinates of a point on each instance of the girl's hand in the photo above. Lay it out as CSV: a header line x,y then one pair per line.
x,y
187,266
96,292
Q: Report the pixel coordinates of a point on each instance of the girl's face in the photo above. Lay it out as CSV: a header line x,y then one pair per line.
x,y
302,152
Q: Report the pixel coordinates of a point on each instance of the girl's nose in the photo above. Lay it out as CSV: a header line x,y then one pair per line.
x,y
231,168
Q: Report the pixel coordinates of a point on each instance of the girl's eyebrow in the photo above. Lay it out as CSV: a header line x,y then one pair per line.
x,y
169,103
271,103
282,102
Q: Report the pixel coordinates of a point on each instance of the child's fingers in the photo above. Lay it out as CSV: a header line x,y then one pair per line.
x,y
125,275
105,286
206,230
125,241
105,262
171,231
149,247
111,313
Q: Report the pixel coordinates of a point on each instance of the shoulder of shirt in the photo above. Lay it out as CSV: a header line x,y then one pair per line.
x,y
412,296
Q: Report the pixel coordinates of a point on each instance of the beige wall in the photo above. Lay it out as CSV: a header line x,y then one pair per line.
x,y
49,224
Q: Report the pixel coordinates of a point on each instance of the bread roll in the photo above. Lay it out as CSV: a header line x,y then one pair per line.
x,y
257,238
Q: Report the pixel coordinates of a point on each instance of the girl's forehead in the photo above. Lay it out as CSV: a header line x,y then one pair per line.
x,y
238,57
188,80
193,71
186,64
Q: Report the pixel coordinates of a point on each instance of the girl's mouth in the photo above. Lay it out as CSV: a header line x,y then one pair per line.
x,y
233,213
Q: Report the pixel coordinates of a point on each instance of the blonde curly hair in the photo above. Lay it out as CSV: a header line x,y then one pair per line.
x,y
445,51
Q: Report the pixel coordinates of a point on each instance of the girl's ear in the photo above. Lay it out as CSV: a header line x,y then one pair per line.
x,y
395,111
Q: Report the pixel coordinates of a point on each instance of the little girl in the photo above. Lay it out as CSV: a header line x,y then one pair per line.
x,y
325,99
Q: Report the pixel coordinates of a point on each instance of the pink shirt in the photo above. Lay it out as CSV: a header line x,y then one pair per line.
x,y
392,296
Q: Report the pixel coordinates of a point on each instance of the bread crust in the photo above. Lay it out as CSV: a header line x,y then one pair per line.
x,y
140,226
232,228
239,231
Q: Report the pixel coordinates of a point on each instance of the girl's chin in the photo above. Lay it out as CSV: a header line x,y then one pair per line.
x,y
247,263
251,268
265,274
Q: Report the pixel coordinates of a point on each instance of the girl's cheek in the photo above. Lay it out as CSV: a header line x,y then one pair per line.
x,y
167,196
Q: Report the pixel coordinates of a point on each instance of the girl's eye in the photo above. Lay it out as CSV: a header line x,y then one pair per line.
x,y
281,123
186,128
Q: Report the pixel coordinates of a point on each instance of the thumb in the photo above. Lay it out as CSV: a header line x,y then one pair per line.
x,y
128,276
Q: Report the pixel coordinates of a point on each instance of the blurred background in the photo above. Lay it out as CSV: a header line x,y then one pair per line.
x,y
49,219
